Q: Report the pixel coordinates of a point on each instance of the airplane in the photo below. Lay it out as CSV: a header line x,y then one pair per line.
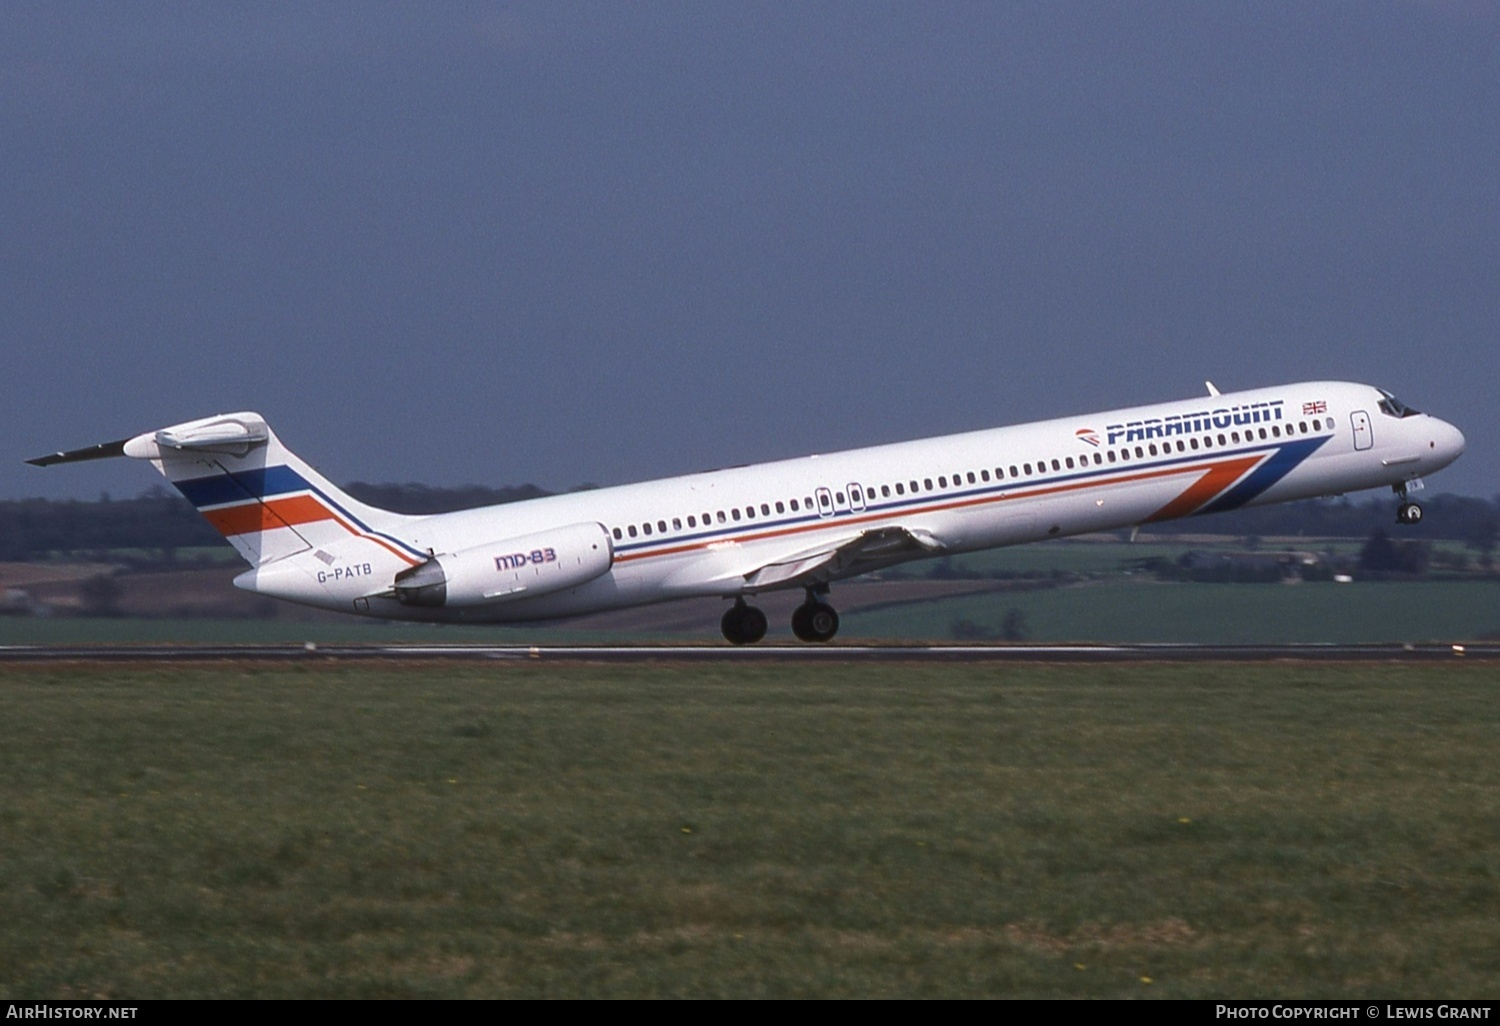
x,y
796,523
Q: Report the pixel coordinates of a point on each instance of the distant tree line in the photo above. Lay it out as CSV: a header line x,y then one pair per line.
x,y
1475,522
159,522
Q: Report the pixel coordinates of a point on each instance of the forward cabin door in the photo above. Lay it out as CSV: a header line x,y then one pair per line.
x,y
1363,436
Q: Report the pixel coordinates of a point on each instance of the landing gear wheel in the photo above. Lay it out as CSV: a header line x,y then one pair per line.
x,y
815,621
743,624
1409,513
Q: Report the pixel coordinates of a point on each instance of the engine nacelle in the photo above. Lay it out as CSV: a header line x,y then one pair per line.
x,y
533,564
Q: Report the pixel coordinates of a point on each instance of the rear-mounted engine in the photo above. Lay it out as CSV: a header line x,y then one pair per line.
x,y
534,564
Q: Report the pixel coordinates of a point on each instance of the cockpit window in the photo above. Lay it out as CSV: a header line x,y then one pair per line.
x,y
1393,407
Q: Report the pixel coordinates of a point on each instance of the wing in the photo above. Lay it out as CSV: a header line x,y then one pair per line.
x,y
846,557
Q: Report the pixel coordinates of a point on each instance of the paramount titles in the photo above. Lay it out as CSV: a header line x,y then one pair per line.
x,y
1190,423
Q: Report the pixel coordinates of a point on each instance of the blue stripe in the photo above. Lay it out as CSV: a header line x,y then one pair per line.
x,y
267,483
1282,462
247,484
1285,457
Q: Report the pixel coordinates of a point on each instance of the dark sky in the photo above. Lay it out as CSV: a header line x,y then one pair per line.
x,y
577,242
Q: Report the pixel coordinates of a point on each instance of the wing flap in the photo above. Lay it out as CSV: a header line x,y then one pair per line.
x,y
848,557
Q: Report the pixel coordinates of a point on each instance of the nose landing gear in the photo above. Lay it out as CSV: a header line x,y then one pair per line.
x,y
1408,512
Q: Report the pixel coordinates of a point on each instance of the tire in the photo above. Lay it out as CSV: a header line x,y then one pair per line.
x,y
743,625
815,622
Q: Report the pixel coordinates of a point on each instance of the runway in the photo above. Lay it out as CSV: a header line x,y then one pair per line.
x,y
753,654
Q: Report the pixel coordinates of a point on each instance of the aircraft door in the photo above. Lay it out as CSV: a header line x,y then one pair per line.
x,y
1363,437
856,498
825,502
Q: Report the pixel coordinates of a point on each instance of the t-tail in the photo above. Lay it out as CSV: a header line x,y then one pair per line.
x,y
260,496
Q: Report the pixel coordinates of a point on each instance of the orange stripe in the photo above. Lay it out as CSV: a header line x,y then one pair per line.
x,y
1219,477
299,509
844,520
267,516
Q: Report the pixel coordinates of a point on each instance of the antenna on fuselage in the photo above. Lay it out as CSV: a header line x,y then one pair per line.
x,y
1212,388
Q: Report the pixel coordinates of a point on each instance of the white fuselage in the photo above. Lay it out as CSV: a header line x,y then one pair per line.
x,y
716,533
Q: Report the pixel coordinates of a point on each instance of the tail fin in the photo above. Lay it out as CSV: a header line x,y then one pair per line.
x,y
266,501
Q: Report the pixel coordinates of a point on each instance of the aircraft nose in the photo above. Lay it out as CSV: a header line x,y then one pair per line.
x,y
1447,442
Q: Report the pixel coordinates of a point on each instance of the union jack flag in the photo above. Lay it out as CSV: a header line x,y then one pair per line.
x,y
1308,409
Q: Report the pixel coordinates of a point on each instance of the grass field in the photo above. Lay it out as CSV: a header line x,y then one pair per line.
x,y
855,830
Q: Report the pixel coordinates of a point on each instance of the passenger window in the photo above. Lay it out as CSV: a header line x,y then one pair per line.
x,y
972,478
984,475
900,488
750,512
1262,434
780,507
794,505
1222,441
927,483
1193,442
631,529
1124,454
734,514
885,491
1014,474
1098,460
1027,468
1069,462
1111,455
617,534
722,518
1234,436
646,527
1153,448
1139,453
692,521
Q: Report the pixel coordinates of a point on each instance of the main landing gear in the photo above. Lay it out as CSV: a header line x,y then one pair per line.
x,y
1408,512
814,620
743,624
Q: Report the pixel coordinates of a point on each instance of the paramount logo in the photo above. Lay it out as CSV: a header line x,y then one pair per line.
x,y
1203,420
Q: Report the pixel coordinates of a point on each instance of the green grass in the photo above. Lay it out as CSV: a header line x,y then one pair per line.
x,y
1126,610
530,830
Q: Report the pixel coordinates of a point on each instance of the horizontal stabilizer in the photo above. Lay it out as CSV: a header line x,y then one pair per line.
x,y
102,451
